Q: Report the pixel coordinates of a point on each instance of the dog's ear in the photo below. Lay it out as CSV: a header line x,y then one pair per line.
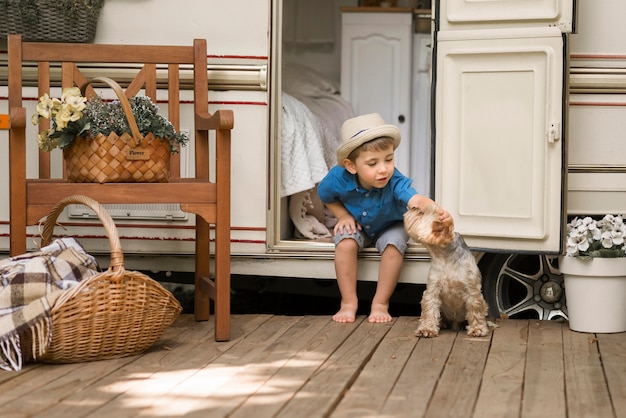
x,y
444,231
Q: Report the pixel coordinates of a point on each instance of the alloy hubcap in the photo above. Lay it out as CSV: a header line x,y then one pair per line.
x,y
551,292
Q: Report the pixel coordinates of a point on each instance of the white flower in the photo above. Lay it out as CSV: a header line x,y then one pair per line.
x,y
77,104
47,107
587,237
62,118
576,243
61,113
69,92
44,142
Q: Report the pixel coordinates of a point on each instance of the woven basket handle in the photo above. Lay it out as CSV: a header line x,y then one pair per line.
x,y
130,118
117,256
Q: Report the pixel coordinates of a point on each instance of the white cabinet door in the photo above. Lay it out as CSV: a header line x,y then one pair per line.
x,y
499,78
499,158
376,51
488,14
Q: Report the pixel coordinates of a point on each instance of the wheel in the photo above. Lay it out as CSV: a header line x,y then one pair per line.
x,y
524,286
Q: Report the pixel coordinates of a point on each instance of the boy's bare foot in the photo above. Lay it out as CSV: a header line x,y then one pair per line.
x,y
379,314
347,313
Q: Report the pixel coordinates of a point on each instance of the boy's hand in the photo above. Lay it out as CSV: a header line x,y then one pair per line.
x,y
422,202
347,224
444,216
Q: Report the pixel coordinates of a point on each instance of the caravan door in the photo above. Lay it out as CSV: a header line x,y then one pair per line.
x,y
499,81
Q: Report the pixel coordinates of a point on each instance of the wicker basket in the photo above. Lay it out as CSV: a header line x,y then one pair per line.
x,y
126,158
113,314
47,21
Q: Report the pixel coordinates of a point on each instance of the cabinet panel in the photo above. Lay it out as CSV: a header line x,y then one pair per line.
x,y
376,70
477,14
499,156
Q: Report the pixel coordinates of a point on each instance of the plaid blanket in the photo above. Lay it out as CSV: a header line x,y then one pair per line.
x,y
29,285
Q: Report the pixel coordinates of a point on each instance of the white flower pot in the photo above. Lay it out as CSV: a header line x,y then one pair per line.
x,y
596,293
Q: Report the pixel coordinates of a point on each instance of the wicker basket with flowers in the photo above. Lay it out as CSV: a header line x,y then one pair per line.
x,y
126,140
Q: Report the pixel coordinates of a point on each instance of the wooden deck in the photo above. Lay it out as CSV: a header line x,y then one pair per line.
x,y
309,366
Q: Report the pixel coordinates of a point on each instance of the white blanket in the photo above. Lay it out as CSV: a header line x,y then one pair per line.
x,y
313,112
302,153
322,98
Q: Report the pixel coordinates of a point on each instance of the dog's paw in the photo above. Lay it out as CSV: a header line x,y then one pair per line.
x,y
426,332
478,330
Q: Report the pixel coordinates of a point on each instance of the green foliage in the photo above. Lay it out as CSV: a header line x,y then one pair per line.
x,y
106,117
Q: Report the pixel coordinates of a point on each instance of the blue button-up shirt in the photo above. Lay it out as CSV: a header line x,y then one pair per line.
x,y
376,209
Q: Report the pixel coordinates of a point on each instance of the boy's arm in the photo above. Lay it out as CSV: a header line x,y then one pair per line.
x,y
345,221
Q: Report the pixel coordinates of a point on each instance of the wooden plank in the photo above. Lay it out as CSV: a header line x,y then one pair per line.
x,y
19,389
613,354
48,397
416,384
457,389
586,391
198,392
157,54
62,380
381,372
298,357
503,379
78,397
6,375
139,384
34,368
323,391
41,388
253,376
544,391
312,367
200,191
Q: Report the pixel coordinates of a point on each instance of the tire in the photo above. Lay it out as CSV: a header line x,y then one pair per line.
x,y
523,286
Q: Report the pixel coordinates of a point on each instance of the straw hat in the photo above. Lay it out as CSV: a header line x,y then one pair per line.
x,y
361,129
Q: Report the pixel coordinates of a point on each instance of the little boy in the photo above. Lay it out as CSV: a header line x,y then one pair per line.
x,y
369,197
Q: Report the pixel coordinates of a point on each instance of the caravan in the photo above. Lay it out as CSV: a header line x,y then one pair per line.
x,y
511,116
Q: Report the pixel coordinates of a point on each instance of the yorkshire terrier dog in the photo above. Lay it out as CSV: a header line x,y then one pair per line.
x,y
453,288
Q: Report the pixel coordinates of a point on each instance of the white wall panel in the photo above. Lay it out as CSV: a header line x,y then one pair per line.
x,y
233,27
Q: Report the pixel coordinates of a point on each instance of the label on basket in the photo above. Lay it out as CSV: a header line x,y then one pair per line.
x,y
138,154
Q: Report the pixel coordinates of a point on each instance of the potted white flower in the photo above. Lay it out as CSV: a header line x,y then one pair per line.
x,y
594,269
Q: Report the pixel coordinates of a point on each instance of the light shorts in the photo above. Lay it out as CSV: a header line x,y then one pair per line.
x,y
395,235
